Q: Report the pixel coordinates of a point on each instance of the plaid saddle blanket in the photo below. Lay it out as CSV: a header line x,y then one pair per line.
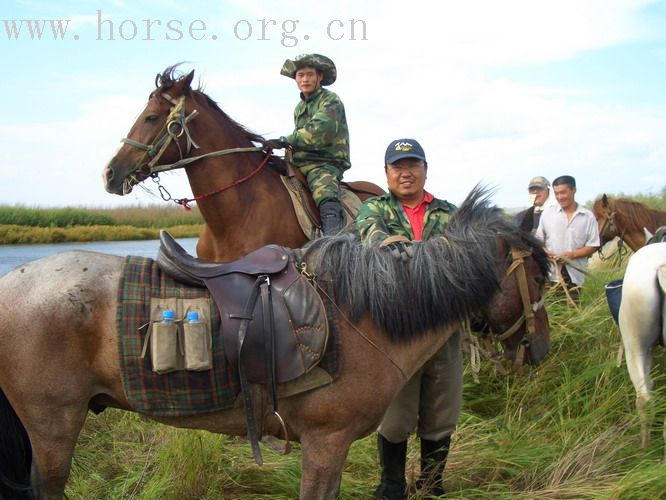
x,y
179,393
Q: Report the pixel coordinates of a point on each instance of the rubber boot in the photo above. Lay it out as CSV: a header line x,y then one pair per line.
x,y
332,218
392,458
433,461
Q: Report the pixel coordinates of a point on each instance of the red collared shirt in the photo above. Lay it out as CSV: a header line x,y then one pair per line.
x,y
417,214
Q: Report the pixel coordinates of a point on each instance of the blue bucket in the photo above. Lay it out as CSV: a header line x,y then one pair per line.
x,y
614,297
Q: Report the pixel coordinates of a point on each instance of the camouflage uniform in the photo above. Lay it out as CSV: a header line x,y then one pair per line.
x,y
321,143
431,400
383,216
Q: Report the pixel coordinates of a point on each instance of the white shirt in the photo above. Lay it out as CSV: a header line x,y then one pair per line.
x,y
561,235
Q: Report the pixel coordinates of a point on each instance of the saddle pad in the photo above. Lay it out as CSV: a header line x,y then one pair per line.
x,y
179,393
349,201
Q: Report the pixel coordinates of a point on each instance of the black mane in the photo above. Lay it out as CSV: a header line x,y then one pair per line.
x,y
445,281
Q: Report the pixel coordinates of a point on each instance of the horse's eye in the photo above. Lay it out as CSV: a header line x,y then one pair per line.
x,y
151,118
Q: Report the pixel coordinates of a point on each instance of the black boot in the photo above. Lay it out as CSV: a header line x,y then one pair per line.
x,y
392,458
332,217
433,461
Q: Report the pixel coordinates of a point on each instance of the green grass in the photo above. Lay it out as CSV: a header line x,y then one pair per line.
x,y
24,225
23,235
566,429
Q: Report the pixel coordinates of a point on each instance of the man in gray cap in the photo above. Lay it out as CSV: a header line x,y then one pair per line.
x,y
538,188
320,139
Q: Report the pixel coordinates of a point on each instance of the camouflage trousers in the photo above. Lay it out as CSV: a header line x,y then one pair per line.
x,y
323,180
431,401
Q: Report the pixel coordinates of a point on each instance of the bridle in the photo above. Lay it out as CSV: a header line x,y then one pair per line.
x,y
528,317
173,129
610,225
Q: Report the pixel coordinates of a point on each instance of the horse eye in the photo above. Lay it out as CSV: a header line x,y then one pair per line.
x,y
151,118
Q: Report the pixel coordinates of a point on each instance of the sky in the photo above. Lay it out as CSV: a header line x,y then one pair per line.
x,y
495,92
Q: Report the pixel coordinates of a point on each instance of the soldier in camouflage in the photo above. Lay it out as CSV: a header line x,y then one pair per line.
x,y
321,139
432,398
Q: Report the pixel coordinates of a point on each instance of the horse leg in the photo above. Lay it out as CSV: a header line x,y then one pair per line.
x,y
639,321
323,459
638,365
53,436
15,453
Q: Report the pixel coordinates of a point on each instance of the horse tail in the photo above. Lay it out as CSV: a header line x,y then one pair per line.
x,y
15,454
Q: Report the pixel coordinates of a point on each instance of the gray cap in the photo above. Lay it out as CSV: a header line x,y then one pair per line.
x,y
539,182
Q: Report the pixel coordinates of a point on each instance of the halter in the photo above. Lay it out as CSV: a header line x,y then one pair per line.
x,y
175,126
609,223
529,308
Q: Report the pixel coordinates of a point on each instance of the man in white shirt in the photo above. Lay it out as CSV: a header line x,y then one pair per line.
x,y
569,233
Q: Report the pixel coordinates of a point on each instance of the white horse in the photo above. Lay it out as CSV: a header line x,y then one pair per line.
x,y
642,321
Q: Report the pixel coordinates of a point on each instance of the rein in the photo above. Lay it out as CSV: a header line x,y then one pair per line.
x,y
529,308
175,127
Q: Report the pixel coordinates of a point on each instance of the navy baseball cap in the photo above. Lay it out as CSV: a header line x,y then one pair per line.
x,y
403,148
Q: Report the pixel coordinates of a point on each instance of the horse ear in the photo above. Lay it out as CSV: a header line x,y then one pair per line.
x,y
183,85
188,79
604,200
527,224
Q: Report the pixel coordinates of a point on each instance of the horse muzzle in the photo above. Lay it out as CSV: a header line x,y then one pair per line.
x,y
115,183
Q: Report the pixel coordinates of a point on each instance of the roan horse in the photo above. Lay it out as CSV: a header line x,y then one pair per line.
x,y
60,354
642,321
625,219
236,184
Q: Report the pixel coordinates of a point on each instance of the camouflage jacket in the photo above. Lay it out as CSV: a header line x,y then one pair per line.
x,y
383,216
321,133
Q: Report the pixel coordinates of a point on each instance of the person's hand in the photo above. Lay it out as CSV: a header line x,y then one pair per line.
x,y
280,143
401,250
551,255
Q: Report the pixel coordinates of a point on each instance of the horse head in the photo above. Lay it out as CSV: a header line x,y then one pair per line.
x,y
605,214
516,315
159,135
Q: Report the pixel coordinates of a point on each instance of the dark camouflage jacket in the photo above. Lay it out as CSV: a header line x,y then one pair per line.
x,y
321,133
383,216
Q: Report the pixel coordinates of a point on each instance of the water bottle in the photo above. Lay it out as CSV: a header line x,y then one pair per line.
x,y
164,343
193,317
198,343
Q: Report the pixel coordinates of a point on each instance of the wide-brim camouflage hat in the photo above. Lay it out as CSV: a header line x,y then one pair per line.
x,y
322,63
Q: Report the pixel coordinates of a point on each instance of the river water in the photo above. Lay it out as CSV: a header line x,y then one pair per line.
x,y
15,255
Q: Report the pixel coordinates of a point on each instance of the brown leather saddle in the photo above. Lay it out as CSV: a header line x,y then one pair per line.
x,y
271,314
273,321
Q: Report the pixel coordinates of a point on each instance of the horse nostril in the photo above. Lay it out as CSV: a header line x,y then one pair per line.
x,y
109,174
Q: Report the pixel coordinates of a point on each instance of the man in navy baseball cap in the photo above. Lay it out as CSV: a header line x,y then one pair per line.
x,y
431,400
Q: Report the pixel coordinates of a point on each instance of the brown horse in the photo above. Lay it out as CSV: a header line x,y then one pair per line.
x,y
626,219
60,356
235,182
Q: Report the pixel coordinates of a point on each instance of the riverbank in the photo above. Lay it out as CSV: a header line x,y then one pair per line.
x,y
14,234
21,225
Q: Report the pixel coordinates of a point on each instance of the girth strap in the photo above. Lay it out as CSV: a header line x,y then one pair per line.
x,y
269,340
245,318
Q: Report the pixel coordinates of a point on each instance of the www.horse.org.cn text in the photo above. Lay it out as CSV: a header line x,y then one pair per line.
x,y
289,32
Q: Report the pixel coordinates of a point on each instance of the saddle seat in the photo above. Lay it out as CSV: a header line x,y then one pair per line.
x,y
175,260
